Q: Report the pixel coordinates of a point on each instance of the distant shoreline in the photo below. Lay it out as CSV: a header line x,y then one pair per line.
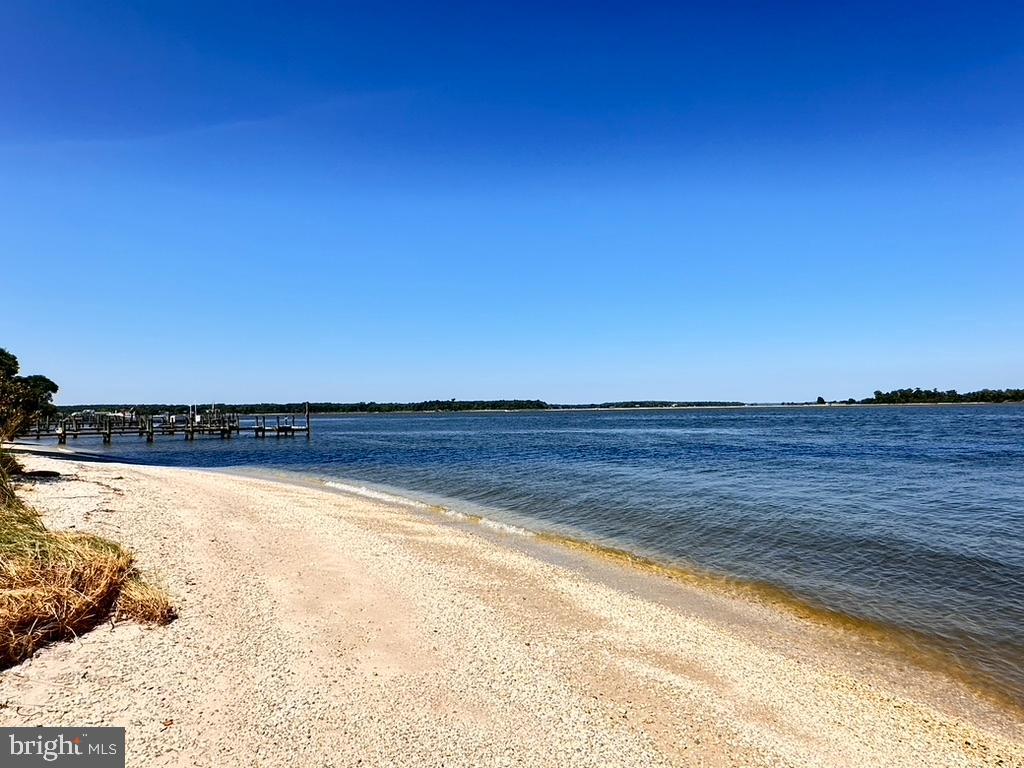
x,y
290,408
600,409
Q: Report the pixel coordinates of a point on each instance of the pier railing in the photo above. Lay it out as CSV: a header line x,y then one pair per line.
x,y
195,423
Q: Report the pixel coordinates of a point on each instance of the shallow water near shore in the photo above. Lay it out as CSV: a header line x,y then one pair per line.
x,y
907,518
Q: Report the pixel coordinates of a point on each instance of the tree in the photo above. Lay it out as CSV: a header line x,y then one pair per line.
x,y
8,365
821,400
22,398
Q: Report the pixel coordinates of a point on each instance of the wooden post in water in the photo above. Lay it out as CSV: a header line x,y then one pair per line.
x,y
309,426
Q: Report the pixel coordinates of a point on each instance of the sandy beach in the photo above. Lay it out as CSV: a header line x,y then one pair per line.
x,y
329,629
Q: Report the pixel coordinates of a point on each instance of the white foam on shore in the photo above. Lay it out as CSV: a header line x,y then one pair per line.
x,y
372,493
504,527
393,498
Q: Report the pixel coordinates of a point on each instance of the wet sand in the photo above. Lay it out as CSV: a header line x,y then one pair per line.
x,y
324,628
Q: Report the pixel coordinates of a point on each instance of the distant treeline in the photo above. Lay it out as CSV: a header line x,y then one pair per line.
x,y
374,407
653,404
431,405
896,397
918,395
361,407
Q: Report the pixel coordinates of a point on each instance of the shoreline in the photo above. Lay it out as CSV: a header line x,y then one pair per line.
x,y
374,614
914,647
902,644
918,649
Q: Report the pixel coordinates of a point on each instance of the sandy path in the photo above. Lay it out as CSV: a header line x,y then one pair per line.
x,y
322,629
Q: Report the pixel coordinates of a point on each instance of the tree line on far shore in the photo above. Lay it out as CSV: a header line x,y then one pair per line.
x,y
653,404
360,407
895,397
424,406
430,405
918,395
935,396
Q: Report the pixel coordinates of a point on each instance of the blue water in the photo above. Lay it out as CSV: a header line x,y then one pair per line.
x,y
912,517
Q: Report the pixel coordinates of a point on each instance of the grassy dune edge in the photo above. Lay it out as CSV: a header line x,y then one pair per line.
x,y
55,585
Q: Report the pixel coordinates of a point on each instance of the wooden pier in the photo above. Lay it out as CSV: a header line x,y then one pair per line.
x,y
212,422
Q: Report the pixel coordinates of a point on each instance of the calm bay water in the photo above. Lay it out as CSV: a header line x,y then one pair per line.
x,y
909,517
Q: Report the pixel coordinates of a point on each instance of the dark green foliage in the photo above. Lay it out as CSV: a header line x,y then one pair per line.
x,y
428,405
918,395
22,398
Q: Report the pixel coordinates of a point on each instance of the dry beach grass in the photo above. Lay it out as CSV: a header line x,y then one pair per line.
x,y
326,629
55,585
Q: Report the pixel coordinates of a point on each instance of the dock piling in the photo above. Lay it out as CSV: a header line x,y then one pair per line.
x,y
213,422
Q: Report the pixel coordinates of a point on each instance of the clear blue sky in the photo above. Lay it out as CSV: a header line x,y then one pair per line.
x,y
575,201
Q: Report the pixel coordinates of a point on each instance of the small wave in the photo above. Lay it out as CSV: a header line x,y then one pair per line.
x,y
371,493
393,498
504,527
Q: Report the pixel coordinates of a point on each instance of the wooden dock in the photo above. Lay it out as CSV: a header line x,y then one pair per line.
x,y
195,423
